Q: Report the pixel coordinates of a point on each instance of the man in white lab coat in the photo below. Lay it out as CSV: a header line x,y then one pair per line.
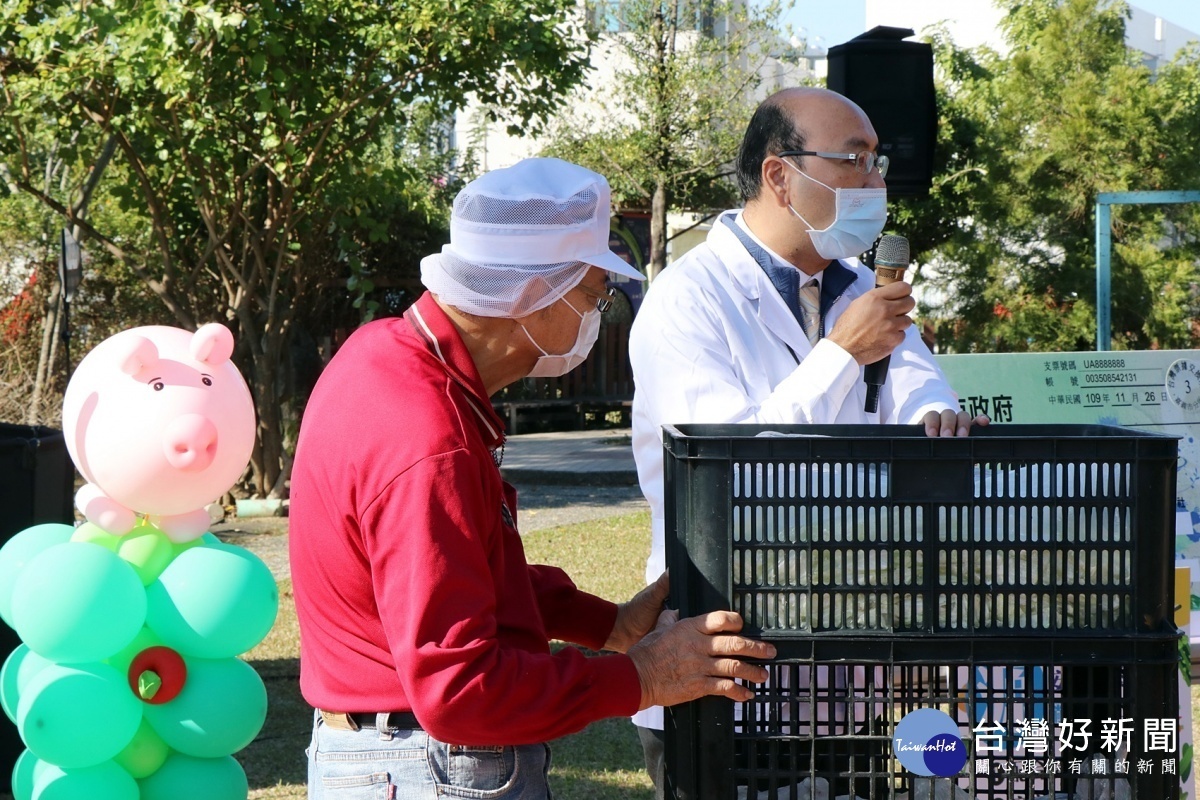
x,y
729,333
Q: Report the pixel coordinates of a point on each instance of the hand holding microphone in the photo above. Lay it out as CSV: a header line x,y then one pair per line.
x,y
874,324
891,260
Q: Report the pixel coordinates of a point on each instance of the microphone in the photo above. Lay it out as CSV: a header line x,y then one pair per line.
x,y
891,259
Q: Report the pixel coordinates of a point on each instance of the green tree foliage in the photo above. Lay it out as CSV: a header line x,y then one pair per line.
x,y
246,134
33,352
389,224
665,125
1027,140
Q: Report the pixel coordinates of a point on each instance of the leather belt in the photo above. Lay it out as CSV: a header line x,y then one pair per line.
x,y
357,720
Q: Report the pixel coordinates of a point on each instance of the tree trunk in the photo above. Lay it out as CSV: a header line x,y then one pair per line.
x,y
664,52
270,464
45,365
265,460
658,230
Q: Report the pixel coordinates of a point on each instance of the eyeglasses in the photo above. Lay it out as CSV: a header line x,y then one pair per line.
x,y
603,301
864,162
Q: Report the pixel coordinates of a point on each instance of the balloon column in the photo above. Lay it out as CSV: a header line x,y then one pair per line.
x,y
127,685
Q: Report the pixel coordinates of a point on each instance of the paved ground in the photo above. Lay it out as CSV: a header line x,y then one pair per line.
x,y
561,479
592,458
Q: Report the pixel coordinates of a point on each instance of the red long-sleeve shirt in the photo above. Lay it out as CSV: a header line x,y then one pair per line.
x,y
411,584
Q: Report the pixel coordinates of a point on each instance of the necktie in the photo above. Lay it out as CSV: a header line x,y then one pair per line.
x,y
810,304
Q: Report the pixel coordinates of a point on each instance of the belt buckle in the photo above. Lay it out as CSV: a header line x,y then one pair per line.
x,y
341,722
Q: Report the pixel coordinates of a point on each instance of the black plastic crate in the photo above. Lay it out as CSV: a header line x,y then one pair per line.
x,y
1016,530
1024,568
824,725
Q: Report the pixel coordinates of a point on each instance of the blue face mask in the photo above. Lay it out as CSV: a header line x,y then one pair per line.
x,y
859,217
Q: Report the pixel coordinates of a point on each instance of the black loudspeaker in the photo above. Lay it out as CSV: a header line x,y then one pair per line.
x,y
892,81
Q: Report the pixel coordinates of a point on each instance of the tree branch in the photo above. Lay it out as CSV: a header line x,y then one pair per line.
x,y
616,165
707,216
79,209
112,247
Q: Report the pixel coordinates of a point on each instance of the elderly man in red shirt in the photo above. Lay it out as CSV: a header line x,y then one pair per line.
x,y
424,633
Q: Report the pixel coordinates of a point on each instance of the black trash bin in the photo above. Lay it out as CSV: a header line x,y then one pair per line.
x,y
37,483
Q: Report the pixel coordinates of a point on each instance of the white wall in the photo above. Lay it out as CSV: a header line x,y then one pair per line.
x,y
15,271
971,22
975,22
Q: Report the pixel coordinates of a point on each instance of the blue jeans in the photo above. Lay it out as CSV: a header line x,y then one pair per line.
x,y
393,764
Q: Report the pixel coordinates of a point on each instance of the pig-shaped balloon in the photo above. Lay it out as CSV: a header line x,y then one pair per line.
x,y
159,422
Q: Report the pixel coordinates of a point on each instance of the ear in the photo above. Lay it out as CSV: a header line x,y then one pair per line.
x,y
774,182
212,344
134,353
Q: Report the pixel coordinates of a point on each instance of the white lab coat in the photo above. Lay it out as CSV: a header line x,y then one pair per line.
x,y
710,344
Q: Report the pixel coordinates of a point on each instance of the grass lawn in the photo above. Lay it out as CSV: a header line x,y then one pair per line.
x,y
605,557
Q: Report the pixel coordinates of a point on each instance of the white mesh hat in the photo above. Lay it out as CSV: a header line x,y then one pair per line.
x,y
523,236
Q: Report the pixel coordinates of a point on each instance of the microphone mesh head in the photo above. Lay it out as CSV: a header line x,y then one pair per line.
x,y
892,251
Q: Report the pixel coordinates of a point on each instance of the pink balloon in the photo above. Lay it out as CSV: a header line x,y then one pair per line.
x,y
160,422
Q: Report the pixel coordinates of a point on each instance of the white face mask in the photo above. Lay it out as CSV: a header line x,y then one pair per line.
x,y
551,366
858,219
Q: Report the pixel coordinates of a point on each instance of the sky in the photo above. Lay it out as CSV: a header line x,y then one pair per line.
x,y
837,21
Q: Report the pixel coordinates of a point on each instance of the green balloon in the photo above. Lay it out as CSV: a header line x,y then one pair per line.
x,y
18,551
21,665
56,701
104,781
77,602
25,773
93,533
181,547
121,659
199,541
185,777
221,709
144,755
148,551
213,601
